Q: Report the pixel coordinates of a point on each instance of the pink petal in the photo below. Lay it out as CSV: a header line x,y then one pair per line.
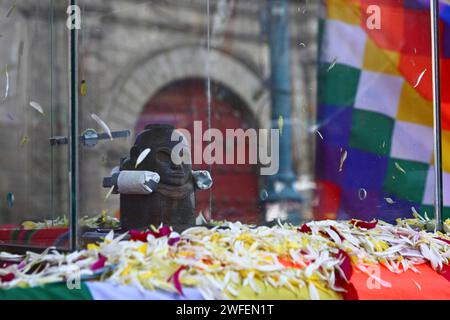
x,y
7,277
100,263
176,280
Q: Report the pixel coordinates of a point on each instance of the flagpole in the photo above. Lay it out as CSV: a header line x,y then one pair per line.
x,y
73,137
438,185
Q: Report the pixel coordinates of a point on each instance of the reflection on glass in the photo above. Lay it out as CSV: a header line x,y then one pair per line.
x,y
33,187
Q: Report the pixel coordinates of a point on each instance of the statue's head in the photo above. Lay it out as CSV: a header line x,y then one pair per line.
x,y
158,138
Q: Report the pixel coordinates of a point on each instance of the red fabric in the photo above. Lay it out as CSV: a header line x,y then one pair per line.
x,y
433,285
12,234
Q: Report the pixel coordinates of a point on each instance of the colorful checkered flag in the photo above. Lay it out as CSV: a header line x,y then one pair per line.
x,y
376,112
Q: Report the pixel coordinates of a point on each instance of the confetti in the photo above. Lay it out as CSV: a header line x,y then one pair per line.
x,y
263,194
389,200
10,11
200,219
142,157
420,78
417,285
36,106
320,135
399,168
83,88
343,158
102,124
7,82
109,193
24,140
362,194
280,125
333,63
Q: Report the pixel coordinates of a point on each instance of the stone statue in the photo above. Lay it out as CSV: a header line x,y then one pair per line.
x,y
157,190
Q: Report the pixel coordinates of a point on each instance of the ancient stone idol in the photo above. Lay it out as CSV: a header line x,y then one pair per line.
x,y
153,188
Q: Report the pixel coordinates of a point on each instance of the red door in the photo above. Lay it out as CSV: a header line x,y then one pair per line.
x,y
234,195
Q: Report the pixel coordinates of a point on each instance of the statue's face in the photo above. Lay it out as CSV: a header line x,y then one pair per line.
x,y
171,173
159,158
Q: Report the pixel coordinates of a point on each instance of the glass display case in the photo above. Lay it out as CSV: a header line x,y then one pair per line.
x,y
297,110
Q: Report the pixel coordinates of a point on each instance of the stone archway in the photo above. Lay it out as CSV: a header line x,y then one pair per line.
x,y
186,62
131,95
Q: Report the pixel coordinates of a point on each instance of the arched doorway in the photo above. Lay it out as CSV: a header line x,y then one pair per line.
x,y
234,195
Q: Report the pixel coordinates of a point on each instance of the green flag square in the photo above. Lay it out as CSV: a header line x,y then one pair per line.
x,y
371,132
338,84
406,179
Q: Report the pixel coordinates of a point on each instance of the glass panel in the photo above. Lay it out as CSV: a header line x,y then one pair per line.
x,y
375,111
33,80
351,102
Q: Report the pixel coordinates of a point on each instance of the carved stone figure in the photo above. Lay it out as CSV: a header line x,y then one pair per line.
x,y
157,190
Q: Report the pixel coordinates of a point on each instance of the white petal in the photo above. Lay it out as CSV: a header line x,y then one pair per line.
x,y
102,124
142,156
313,293
37,107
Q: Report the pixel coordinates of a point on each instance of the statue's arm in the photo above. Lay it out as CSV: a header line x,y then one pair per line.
x,y
202,179
132,181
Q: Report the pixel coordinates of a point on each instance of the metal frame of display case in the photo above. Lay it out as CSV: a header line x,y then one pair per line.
x,y
73,137
437,121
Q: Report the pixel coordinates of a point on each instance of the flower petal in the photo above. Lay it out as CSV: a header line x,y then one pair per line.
x,y
364,224
136,235
176,280
100,263
304,228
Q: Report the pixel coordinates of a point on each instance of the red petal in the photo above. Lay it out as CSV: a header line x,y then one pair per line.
x,y
136,235
364,224
100,263
7,277
304,228
142,236
442,239
346,267
176,280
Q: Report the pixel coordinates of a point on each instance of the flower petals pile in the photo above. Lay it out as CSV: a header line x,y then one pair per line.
x,y
220,261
